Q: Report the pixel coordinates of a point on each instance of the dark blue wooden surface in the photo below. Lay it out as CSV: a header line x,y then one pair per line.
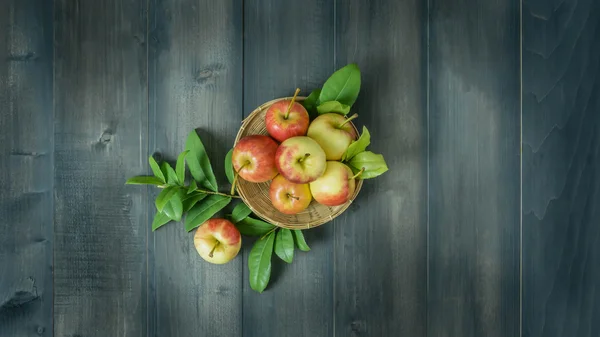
x,y
487,112
26,168
474,168
561,168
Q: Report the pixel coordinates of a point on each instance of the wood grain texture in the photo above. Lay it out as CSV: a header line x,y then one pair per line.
x,y
289,44
381,242
195,82
561,168
474,172
26,175
101,140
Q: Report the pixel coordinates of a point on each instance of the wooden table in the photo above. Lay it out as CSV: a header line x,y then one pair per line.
x,y
488,113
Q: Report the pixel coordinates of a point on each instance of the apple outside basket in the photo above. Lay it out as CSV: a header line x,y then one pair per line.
x,y
256,195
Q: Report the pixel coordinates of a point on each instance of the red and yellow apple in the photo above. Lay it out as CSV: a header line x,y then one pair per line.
x,y
286,119
253,158
335,187
334,133
288,197
300,160
217,241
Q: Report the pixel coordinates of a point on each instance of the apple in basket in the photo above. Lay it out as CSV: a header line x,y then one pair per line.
x,y
288,197
300,160
334,133
217,241
336,186
286,119
253,158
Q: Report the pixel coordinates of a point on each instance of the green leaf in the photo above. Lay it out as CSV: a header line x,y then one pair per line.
x,y
343,86
156,169
164,196
169,173
205,210
198,162
240,212
300,242
160,219
374,164
254,227
191,199
333,106
229,167
358,146
193,187
284,245
259,263
311,102
174,208
144,180
180,166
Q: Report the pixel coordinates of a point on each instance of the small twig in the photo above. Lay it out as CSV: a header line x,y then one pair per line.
x,y
218,193
269,232
206,192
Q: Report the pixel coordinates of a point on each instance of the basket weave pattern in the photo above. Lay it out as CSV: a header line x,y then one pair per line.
x,y
256,196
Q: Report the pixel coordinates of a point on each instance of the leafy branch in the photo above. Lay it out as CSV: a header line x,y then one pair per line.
x,y
200,200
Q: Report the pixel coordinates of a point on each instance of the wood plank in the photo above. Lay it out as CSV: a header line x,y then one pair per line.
x,y
101,134
561,168
289,44
381,242
474,172
26,175
195,82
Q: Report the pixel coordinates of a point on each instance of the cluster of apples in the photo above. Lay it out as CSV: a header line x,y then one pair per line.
x,y
302,159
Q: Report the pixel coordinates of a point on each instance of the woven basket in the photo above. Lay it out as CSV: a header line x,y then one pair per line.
x,y
256,196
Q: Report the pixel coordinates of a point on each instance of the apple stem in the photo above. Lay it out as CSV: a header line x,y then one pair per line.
x,y
349,119
293,197
357,174
287,113
306,155
213,249
235,178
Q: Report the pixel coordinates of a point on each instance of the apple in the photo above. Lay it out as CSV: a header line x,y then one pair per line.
x,y
253,158
336,186
286,119
288,197
217,241
300,160
334,133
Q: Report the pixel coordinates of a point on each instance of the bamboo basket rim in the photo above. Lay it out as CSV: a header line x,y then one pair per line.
x,y
334,212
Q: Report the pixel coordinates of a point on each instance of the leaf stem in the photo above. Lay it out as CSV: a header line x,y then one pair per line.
x,y
287,113
357,174
348,120
269,232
